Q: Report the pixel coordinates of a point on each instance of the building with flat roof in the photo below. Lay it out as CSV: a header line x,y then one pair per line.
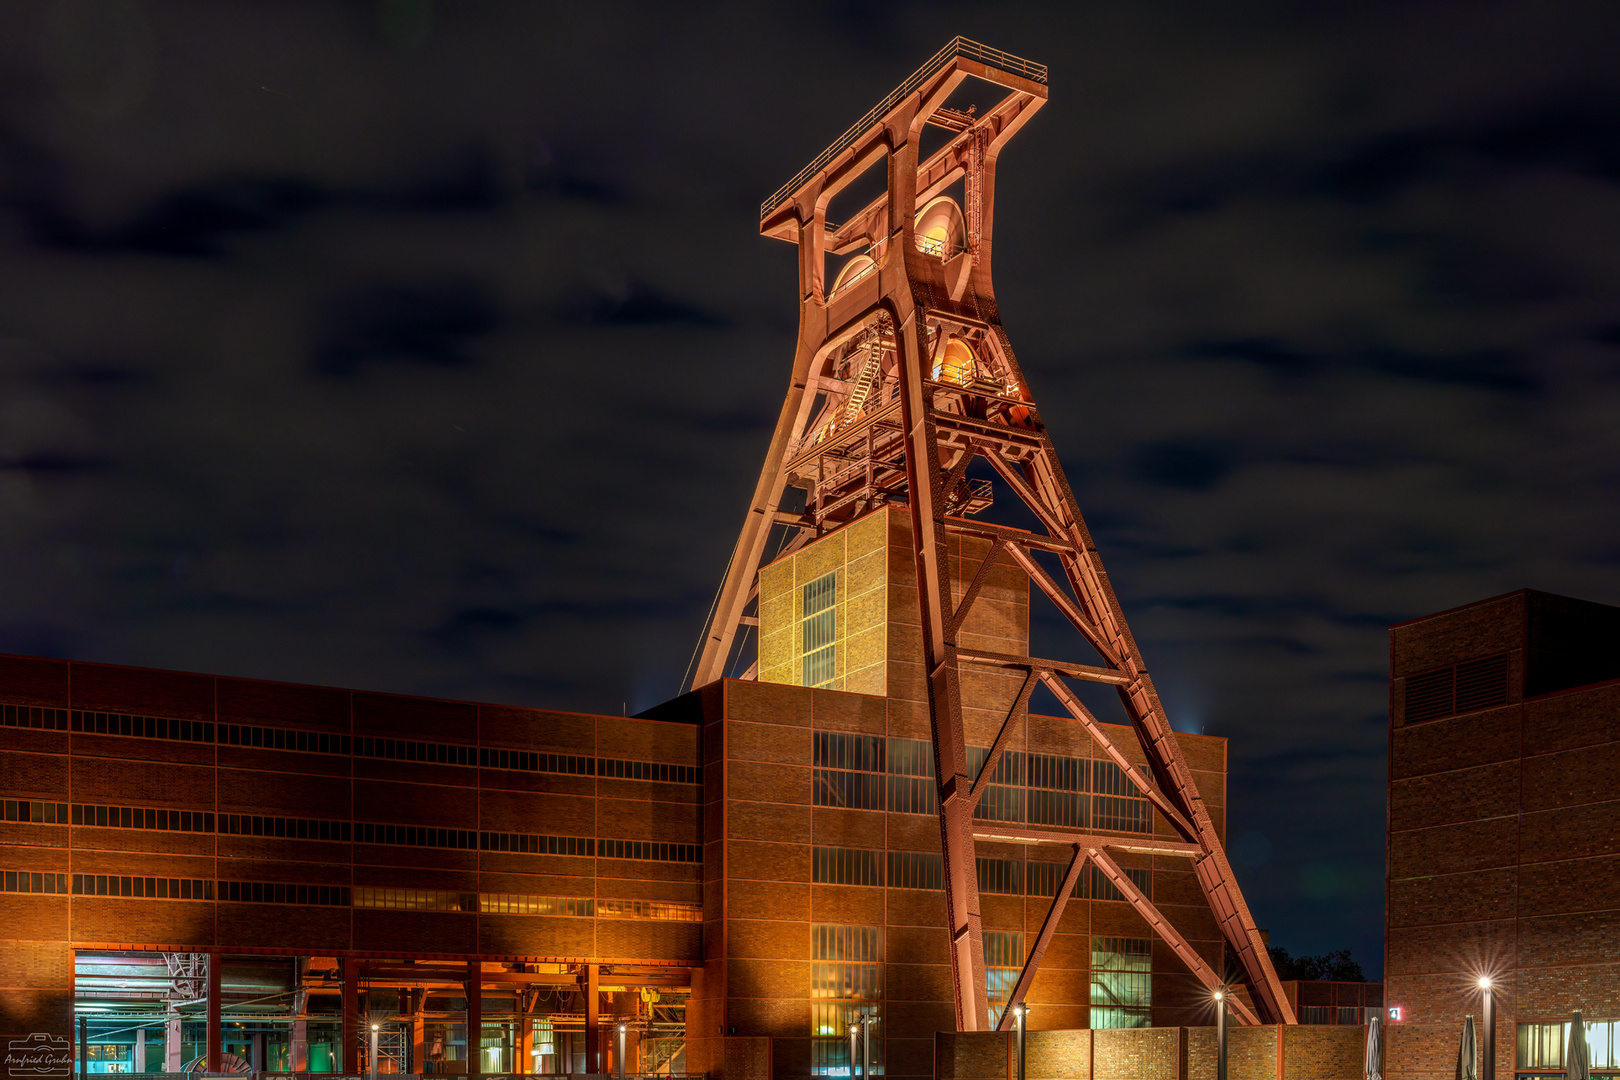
x,y
217,872
1504,832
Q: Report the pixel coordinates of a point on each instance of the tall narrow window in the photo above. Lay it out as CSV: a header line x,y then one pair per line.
x,y
1003,960
820,631
911,777
1004,793
1121,982
846,981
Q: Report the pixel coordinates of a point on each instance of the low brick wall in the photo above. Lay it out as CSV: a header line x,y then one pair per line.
x,y
1302,1052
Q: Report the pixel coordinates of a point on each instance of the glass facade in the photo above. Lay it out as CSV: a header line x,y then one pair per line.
x,y
1121,982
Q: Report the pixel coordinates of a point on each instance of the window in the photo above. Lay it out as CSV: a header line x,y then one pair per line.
x,y
1542,1046
916,870
1003,960
1001,876
1117,805
846,866
848,771
1057,787
1121,982
1004,793
1313,1014
45,813
820,630
846,980
1043,879
911,777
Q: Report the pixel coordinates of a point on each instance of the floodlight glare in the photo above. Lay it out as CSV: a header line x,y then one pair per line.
x,y
1484,982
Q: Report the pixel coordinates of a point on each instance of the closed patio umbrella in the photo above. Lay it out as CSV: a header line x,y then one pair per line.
x,y
1373,1066
1468,1052
1577,1059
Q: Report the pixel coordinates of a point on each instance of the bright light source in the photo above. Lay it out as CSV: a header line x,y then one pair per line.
x,y
374,1027
1220,995
1484,982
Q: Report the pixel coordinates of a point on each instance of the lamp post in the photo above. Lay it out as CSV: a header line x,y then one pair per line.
x,y
867,1020
1018,1022
1487,1065
1220,1034
375,1028
854,1048
618,1055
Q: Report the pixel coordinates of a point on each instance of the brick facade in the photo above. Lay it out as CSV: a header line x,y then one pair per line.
x,y
1504,822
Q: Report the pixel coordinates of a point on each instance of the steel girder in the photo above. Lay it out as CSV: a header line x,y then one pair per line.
x,y
910,441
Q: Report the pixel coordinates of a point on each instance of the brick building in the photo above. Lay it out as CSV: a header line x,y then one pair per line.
x,y
252,874
1504,831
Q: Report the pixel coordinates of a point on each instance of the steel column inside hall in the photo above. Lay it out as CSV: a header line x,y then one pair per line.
x,y
593,1019
475,1017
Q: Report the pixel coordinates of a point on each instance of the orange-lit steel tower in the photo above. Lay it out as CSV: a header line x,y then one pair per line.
x,y
902,380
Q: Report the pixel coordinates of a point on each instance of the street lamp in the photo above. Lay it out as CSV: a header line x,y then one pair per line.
x,y
854,1048
1018,1021
867,1020
619,1056
375,1028
1487,1070
1220,1034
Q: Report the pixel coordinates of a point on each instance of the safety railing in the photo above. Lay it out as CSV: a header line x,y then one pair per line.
x,y
958,46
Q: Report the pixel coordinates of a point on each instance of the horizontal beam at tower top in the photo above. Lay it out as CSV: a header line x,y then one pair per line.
x,y
957,47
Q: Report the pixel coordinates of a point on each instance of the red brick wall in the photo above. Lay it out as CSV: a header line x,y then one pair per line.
x,y
1504,849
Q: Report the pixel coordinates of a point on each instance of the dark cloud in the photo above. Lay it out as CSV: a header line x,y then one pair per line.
x,y
392,324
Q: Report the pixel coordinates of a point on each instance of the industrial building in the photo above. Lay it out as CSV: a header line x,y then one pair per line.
x,y
869,827
1504,833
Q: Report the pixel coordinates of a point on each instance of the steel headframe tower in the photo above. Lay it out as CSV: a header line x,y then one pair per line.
x,y
903,377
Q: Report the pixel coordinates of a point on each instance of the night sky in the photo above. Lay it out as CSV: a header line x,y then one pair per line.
x,y
433,349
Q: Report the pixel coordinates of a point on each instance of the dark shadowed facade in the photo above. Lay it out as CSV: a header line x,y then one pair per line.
x,y
1504,831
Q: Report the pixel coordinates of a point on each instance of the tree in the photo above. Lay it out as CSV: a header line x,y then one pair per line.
x,y
1336,966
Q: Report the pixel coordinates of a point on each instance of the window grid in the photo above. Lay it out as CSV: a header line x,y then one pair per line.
x,y
426,753
1121,982
916,870
281,892
1003,876
1004,791
147,888
295,739
665,910
25,881
819,630
143,727
1057,791
33,716
40,813
414,899
649,850
1117,805
137,817
534,844
846,866
1003,962
286,828
574,907
911,777
848,770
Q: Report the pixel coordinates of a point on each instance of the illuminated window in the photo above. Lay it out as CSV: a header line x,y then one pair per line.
x,y
846,980
820,629
1005,876
1543,1046
1121,982
1003,960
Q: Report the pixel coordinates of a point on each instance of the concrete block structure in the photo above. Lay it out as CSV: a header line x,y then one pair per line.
x,y
1504,831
